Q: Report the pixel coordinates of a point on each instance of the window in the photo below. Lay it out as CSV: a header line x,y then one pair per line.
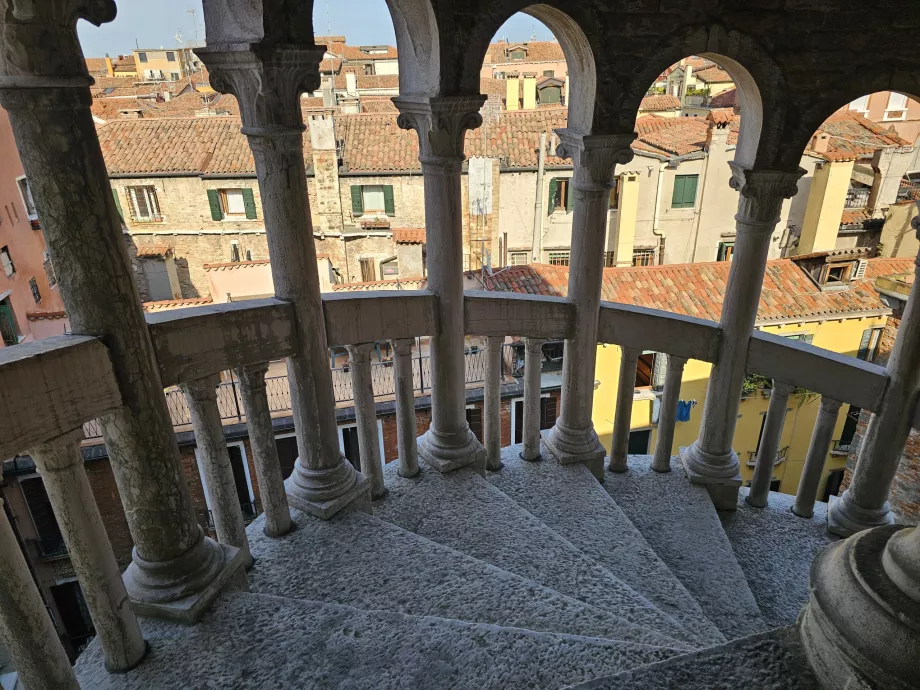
x,y
861,104
868,344
50,539
36,295
518,258
25,191
474,419
897,106
142,57
548,414
684,195
643,257
144,204
726,251
560,198
235,203
610,259
559,258
389,268
518,55
551,94
372,199
170,56
549,73
849,429
613,201
8,326
7,262
837,273
234,251
174,76
639,442
807,338
368,270
645,370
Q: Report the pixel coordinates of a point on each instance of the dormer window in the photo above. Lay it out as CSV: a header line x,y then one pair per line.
x,y
839,273
517,53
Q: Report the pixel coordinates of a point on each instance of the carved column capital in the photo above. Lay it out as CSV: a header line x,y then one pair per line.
x,y
441,125
252,376
403,346
203,390
762,194
782,389
267,82
360,353
534,346
59,453
594,157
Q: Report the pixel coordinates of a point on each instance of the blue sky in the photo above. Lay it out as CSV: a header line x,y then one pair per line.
x,y
363,22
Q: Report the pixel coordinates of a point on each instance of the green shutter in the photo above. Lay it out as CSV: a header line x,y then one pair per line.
x,y
684,195
677,196
569,196
690,191
388,205
863,351
357,201
121,214
553,190
214,202
809,338
249,203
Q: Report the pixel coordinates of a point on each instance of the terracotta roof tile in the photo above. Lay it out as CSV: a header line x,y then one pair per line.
x,y
166,304
416,283
660,102
236,264
726,99
409,235
853,136
537,51
854,217
713,75
153,250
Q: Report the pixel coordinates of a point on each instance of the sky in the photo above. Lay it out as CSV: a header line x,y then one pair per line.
x,y
362,22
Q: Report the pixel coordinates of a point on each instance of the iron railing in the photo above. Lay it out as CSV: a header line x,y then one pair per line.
x,y
48,549
857,197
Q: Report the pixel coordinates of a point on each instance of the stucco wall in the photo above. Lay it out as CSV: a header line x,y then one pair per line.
x,y
899,239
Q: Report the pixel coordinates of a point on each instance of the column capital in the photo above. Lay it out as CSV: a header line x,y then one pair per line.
x,y
782,389
534,346
441,124
830,405
59,453
360,353
267,82
762,194
252,376
203,390
594,156
676,361
403,346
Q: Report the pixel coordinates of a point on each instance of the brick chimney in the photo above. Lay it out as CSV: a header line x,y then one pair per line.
x,y
109,66
820,141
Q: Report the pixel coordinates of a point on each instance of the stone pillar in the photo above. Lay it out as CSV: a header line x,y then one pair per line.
x,y
667,416
441,124
267,80
264,449
405,408
175,572
492,402
60,463
573,438
626,391
814,461
366,416
214,463
769,444
711,461
865,503
25,626
533,365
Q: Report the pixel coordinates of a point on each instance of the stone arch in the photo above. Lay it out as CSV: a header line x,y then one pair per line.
x,y
418,43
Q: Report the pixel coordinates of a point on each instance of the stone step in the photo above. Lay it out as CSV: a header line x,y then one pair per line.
x,y
680,523
775,548
773,660
463,511
570,501
359,560
259,641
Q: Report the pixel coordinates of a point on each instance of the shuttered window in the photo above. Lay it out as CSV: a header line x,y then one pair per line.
x,y
684,195
560,196
144,203
372,199
868,344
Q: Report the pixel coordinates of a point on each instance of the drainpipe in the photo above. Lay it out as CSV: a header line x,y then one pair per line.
x,y
537,238
657,215
699,214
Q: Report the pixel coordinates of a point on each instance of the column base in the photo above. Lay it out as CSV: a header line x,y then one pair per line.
x,y
569,446
446,453
182,589
845,518
859,630
712,472
323,493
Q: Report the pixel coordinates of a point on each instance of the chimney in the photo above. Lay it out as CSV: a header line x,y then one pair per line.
x,y
716,136
512,94
109,66
685,85
530,93
328,96
351,84
167,95
820,141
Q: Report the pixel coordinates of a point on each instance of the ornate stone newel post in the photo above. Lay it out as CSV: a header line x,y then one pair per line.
x,y
267,80
711,461
176,571
441,124
595,157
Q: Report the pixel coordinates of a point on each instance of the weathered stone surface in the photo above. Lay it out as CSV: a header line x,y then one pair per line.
x,y
570,501
257,641
775,549
680,523
466,513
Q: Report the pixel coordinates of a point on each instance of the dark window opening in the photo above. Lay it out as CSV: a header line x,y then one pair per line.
x,y
832,487
350,446
50,542
548,415
645,370
474,419
247,505
639,442
287,454
78,626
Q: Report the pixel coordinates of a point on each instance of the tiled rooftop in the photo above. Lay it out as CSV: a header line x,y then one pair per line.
x,y
416,283
660,102
713,75
166,304
854,136
409,235
153,250
726,99
537,51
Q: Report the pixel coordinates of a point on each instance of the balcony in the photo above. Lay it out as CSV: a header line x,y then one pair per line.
x,y
857,197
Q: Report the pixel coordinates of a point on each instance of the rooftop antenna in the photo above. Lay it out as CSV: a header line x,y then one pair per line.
x,y
533,36
178,38
194,24
328,21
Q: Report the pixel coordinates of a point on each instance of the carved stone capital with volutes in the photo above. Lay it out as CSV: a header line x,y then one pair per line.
x,y
441,124
762,193
267,82
594,157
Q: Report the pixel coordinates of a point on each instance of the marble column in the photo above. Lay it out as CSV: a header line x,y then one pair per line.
x,y
175,570
264,449
711,461
533,366
573,438
405,408
268,80
214,463
366,417
60,464
667,415
492,402
814,460
622,419
769,444
441,125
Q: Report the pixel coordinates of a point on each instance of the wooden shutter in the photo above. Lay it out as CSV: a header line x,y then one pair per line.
x,y
249,203
569,196
553,190
690,191
677,196
863,351
388,204
357,202
214,202
121,214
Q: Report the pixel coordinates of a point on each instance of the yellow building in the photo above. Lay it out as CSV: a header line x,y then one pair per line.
x,y
161,64
844,316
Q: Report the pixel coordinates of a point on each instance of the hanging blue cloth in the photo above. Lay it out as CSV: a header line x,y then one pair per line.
x,y
683,410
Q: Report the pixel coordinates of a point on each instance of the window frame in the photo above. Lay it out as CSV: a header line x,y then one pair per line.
x,y
683,203
559,258
512,256
36,294
225,203
648,254
9,266
861,104
142,57
171,59
726,251
153,209
28,200
896,113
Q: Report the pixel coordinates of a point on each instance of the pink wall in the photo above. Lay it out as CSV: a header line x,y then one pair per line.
x,y
908,128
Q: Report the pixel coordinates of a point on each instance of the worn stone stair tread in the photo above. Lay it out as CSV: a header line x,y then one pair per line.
x,y
776,548
772,660
571,501
463,511
679,521
359,560
258,641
